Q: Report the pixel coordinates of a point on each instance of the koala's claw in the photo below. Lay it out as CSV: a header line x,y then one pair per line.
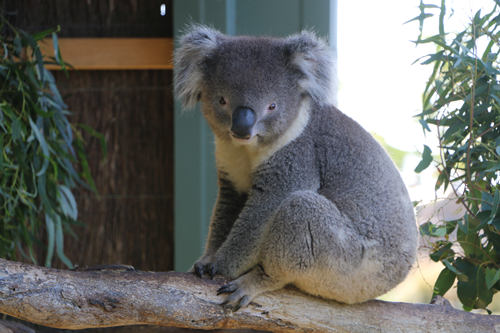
x,y
212,270
244,301
226,289
198,269
235,306
201,270
237,298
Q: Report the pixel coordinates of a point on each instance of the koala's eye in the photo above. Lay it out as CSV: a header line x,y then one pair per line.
x,y
271,106
222,101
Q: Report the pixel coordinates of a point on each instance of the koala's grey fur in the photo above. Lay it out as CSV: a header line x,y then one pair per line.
x,y
310,199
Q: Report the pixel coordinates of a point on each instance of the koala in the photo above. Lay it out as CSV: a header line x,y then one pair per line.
x,y
306,196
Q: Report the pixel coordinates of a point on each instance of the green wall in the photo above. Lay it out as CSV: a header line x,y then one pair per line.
x,y
194,166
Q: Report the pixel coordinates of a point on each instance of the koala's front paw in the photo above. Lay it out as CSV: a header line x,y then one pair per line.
x,y
205,266
202,269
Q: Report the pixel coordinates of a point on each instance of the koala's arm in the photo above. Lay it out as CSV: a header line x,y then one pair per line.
x,y
240,251
227,208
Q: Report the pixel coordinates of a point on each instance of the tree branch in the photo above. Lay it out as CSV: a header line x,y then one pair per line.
x,y
103,298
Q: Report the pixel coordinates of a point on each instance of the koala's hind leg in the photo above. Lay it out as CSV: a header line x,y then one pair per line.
x,y
310,244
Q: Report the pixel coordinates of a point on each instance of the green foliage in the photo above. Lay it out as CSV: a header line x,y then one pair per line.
x,y
462,102
39,150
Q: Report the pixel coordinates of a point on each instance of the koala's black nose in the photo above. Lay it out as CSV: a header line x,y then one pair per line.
x,y
243,121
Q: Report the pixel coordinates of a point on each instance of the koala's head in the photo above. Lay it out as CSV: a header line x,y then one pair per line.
x,y
251,88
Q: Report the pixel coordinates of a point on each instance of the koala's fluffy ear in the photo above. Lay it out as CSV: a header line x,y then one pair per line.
x,y
314,59
194,46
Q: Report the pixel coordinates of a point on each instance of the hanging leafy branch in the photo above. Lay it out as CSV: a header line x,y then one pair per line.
x,y
461,100
40,150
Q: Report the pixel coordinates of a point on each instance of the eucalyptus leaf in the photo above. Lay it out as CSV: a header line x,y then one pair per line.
x,y
430,229
467,288
443,252
444,282
43,145
424,124
492,276
16,130
60,244
43,34
496,223
453,269
67,202
484,294
426,160
50,229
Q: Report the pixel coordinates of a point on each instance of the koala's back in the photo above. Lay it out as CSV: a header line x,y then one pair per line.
x,y
357,174
359,177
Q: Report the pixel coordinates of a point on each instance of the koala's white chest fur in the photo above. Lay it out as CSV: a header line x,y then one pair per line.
x,y
239,161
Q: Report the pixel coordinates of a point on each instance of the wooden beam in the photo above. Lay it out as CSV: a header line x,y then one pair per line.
x,y
113,53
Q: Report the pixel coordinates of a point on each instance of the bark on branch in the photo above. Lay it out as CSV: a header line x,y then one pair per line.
x,y
103,298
